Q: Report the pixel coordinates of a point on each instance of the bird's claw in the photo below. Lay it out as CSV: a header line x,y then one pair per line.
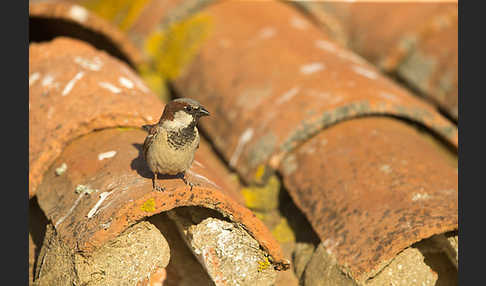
x,y
188,183
159,188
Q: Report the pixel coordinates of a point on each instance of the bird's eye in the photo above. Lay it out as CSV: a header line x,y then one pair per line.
x,y
188,108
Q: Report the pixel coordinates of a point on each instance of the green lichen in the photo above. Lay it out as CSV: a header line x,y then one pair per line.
x,y
148,205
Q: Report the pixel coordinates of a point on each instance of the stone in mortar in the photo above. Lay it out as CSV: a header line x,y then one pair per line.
x,y
183,269
407,268
126,260
229,254
322,269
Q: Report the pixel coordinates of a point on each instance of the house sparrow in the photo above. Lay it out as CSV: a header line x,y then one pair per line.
x,y
171,143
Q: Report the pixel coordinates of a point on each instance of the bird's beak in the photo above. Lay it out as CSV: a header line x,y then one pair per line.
x,y
203,112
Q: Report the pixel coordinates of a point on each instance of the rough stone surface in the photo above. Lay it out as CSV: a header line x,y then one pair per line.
x,y
322,269
229,254
183,269
126,260
32,249
407,268
303,253
55,264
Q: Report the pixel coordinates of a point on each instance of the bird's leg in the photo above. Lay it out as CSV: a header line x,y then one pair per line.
x,y
154,185
183,178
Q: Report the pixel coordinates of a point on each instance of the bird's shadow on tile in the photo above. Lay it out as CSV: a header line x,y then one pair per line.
x,y
138,164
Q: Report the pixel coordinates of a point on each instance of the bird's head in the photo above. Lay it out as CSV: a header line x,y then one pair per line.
x,y
181,113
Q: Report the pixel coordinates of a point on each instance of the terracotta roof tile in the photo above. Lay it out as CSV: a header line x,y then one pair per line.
x,y
73,90
424,53
376,186
274,85
277,88
62,14
93,185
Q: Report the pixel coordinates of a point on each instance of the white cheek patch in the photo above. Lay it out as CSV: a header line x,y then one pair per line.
x,y
181,120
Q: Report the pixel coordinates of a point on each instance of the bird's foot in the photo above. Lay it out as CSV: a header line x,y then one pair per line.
x,y
187,182
158,188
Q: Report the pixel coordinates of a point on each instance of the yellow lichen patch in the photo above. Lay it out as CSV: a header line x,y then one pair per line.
x,y
262,198
262,265
122,13
154,81
148,205
124,128
259,173
283,233
175,47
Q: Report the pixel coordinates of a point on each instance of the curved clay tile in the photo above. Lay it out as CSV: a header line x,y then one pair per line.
x,y
61,14
276,83
89,177
371,187
65,77
423,53
277,80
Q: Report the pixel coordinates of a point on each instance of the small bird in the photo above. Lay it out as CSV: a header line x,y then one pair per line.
x,y
171,143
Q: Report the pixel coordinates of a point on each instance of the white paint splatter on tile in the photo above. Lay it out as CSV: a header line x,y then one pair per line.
x,y
148,118
365,72
84,189
386,169
103,197
95,64
61,169
346,55
140,85
109,86
33,78
299,23
78,13
106,155
311,68
388,96
197,163
194,174
47,80
70,210
326,46
288,95
267,32
420,196
244,138
125,82
71,83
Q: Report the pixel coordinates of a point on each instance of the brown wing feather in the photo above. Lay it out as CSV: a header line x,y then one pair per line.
x,y
149,139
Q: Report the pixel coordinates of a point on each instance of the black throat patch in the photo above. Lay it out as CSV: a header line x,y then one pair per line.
x,y
182,137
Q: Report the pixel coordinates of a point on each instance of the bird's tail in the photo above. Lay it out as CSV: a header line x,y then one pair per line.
x,y
147,127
